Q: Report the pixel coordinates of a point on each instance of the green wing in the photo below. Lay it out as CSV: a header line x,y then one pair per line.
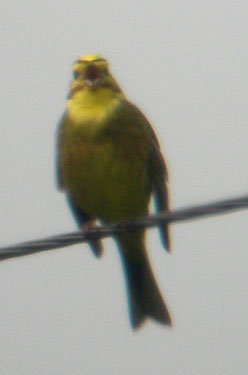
x,y
156,164
59,140
159,177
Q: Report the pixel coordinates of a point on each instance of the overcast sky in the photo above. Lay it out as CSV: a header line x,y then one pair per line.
x,y
185,64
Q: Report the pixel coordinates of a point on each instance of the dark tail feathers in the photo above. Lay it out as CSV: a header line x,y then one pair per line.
x,y
144,297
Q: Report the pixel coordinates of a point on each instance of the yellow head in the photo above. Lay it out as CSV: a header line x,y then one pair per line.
x,y
94,92
91,72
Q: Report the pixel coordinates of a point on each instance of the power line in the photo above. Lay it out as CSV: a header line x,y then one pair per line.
x,y
178,215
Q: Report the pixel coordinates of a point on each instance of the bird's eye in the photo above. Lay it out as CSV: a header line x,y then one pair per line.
x,y
75,74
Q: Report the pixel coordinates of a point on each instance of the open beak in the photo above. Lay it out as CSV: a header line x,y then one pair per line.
x,y
92,76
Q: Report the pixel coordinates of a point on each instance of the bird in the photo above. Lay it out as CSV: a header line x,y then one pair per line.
x,y
109,164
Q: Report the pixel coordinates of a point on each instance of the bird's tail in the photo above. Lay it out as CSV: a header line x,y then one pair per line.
x,y
144,297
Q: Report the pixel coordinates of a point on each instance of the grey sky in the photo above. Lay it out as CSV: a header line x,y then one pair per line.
x,y
184,63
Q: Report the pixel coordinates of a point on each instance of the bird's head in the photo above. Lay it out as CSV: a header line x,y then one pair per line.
x,y
91,72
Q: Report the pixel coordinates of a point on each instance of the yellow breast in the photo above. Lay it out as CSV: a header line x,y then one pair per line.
x,y
92,105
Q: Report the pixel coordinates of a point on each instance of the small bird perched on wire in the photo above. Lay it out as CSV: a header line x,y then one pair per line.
x,y
109,164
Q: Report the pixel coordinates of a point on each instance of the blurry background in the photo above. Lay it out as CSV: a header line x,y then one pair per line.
x,y
185,64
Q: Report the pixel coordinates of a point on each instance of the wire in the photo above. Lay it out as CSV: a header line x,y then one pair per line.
x,y
179,215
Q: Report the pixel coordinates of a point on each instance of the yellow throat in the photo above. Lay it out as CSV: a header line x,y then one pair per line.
x,y
88,105
94,92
